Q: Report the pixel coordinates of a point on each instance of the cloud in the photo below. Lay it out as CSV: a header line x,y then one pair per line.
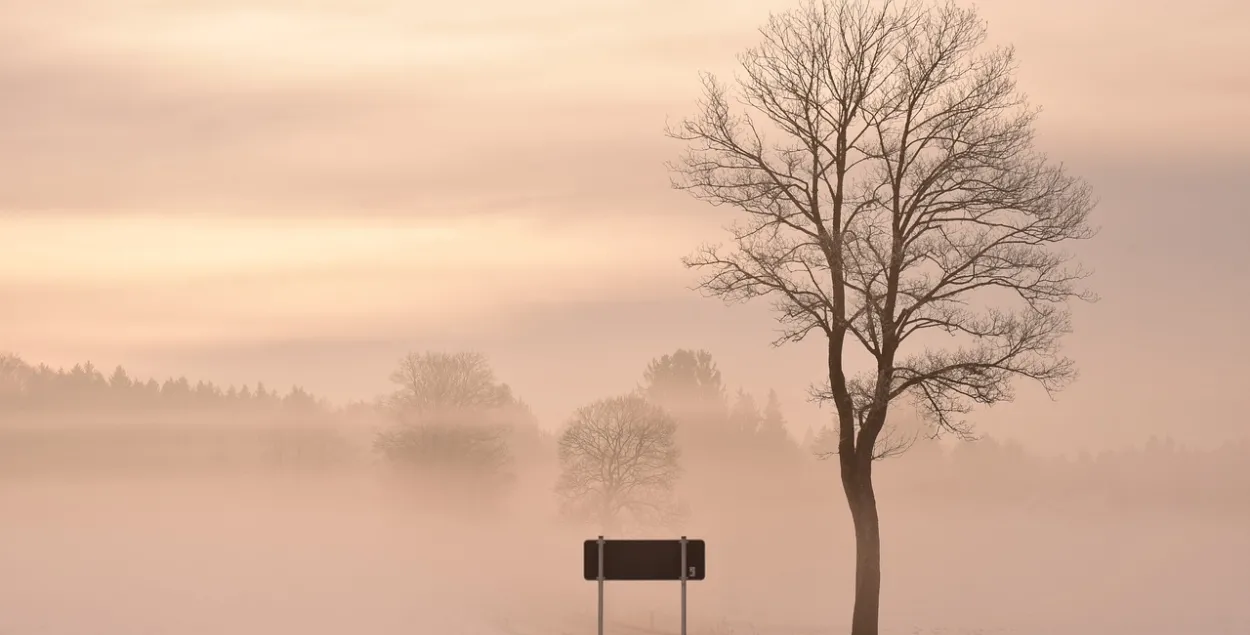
x,y
387,108
177,281
275,110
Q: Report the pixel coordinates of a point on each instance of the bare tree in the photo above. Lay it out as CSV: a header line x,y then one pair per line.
x,y
455,423
894,203
618,456
440,381
467,444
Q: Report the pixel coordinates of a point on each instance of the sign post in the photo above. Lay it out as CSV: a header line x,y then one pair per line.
x,y
684,543
677,560
601,580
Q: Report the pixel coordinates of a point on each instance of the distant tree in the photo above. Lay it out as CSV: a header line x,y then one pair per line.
x,y
177,392
453,417
689,386
773,426
441,381
119,380
15,378
885,166
206,394
684,378
120,389
94,377
83,385
618,458
49,386
299,401
266,399
151,391
744,416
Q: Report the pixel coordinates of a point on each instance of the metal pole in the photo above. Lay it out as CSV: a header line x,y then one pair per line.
x,y
683,586
600,585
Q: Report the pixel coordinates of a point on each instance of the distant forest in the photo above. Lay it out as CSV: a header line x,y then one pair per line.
x,y
59,421
117,419
24,386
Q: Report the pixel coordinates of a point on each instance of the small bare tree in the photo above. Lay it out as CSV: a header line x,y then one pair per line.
x,y
619,456
893,203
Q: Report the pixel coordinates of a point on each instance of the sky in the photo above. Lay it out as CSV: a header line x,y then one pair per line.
x,y
299,192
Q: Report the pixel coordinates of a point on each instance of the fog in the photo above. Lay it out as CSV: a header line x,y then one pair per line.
x,y
197,520
446,233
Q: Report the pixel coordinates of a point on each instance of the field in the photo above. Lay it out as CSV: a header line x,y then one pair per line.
x,y
351,552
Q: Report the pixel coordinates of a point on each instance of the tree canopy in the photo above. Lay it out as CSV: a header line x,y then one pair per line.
x,y
618,457
891,200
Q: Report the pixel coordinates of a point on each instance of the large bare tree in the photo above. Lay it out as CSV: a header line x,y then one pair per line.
x,y
618,457
892,201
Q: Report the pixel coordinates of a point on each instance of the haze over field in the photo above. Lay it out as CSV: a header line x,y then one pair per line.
x,y
302,193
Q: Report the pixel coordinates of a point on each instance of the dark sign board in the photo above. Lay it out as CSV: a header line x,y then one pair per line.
x,y
643,560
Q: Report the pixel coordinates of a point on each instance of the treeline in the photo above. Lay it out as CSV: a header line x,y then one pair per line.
x,y
54,420
448,411
1159,475
28,387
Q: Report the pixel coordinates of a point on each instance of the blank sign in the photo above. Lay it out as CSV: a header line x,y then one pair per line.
x,y
643,559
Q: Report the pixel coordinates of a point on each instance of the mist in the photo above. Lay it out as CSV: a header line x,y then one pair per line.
x,y
361,316
200,510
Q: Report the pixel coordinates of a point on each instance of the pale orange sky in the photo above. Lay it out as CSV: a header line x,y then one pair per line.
x,y
300,191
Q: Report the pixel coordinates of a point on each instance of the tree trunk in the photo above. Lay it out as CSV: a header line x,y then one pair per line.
x,y
857,483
